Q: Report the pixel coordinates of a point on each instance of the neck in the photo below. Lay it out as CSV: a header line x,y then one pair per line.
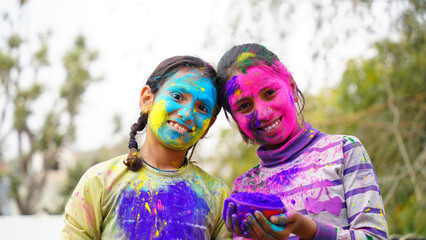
x,y
159,156
291,136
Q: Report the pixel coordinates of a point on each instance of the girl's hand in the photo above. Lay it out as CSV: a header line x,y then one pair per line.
x,y
232,224
280,226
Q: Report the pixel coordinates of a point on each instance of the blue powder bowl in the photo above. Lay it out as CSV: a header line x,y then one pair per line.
x,y
267,204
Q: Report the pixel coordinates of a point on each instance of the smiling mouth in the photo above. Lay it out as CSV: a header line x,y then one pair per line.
x,y
178,127
271,126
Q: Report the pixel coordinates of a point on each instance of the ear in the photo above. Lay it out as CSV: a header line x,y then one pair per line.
x,y
146,99
211,123
293,86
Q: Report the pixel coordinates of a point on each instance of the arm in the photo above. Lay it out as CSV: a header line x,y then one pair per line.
x,y
365,213
83,216
365,210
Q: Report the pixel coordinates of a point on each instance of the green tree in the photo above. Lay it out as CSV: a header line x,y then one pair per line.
x,y
231,162
382,101
57,128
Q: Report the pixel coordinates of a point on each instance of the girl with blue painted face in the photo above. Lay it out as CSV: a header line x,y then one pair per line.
x,y
157,193
327,182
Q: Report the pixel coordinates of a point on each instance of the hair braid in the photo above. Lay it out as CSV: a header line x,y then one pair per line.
x,y
134,161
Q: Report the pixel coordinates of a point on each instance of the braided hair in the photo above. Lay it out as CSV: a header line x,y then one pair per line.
x,y
161,73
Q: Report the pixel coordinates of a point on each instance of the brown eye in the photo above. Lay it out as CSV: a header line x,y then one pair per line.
x,y
177,96
203,109
270,92
243,106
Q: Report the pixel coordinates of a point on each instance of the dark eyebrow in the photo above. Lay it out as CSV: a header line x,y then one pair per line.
x,y
207,101
268,85
241,100
178,88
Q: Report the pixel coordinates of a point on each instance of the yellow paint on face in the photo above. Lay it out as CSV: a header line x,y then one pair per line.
x,y
194,90
157,116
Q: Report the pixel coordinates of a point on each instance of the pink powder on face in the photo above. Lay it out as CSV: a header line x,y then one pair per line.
x,y
260,98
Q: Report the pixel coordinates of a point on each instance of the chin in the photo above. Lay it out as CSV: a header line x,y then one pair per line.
x,y
178,145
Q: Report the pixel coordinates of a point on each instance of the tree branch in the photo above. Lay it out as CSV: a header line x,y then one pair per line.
x,y
418,163
400,142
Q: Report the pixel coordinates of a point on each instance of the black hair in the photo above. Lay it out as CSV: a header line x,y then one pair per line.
x,y
161,73
240,58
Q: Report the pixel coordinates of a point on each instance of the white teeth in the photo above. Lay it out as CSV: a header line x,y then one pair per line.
x,y
178,127
274,124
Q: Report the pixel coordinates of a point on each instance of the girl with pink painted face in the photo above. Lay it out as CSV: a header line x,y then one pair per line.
x,y
327,182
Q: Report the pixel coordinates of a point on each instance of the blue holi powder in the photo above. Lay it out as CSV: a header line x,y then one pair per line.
x,y
255,122
291,98
232,86
285,177
185,109
174,212
201,89
277,228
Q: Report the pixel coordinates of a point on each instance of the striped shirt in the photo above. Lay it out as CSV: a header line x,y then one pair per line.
x,y
329,178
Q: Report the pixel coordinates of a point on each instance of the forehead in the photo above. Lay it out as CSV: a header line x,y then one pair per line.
x,y
190,79
254,79
193,82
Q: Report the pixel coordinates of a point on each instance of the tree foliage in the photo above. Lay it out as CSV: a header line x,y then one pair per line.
x,y
38,144
232,156
381,100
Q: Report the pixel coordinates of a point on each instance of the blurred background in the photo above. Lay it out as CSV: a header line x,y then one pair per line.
x,y
71,73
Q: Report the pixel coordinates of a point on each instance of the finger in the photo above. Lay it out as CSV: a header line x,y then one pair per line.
x,y
236,224
247,235
248,229
258,231
281,219
229,211
269,228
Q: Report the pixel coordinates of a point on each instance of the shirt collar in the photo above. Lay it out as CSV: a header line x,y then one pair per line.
x,y
289,150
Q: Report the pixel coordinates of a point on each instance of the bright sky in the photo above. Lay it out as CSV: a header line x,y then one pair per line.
x,y
133,36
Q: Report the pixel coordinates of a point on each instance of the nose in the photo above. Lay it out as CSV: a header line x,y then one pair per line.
x,y
186,112
263,112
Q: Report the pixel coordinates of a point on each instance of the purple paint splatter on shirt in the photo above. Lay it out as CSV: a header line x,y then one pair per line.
x,y
176,212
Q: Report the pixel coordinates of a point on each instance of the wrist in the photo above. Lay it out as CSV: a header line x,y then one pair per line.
x,y
307,228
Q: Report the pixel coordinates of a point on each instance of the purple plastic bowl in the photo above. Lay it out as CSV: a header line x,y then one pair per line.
x,y
268,204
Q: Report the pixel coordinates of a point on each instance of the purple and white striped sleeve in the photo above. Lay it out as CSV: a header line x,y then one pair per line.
x,y
366,215
365,210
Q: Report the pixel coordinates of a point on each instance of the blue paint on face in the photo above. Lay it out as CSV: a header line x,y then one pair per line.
x,y
175,212
188,99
